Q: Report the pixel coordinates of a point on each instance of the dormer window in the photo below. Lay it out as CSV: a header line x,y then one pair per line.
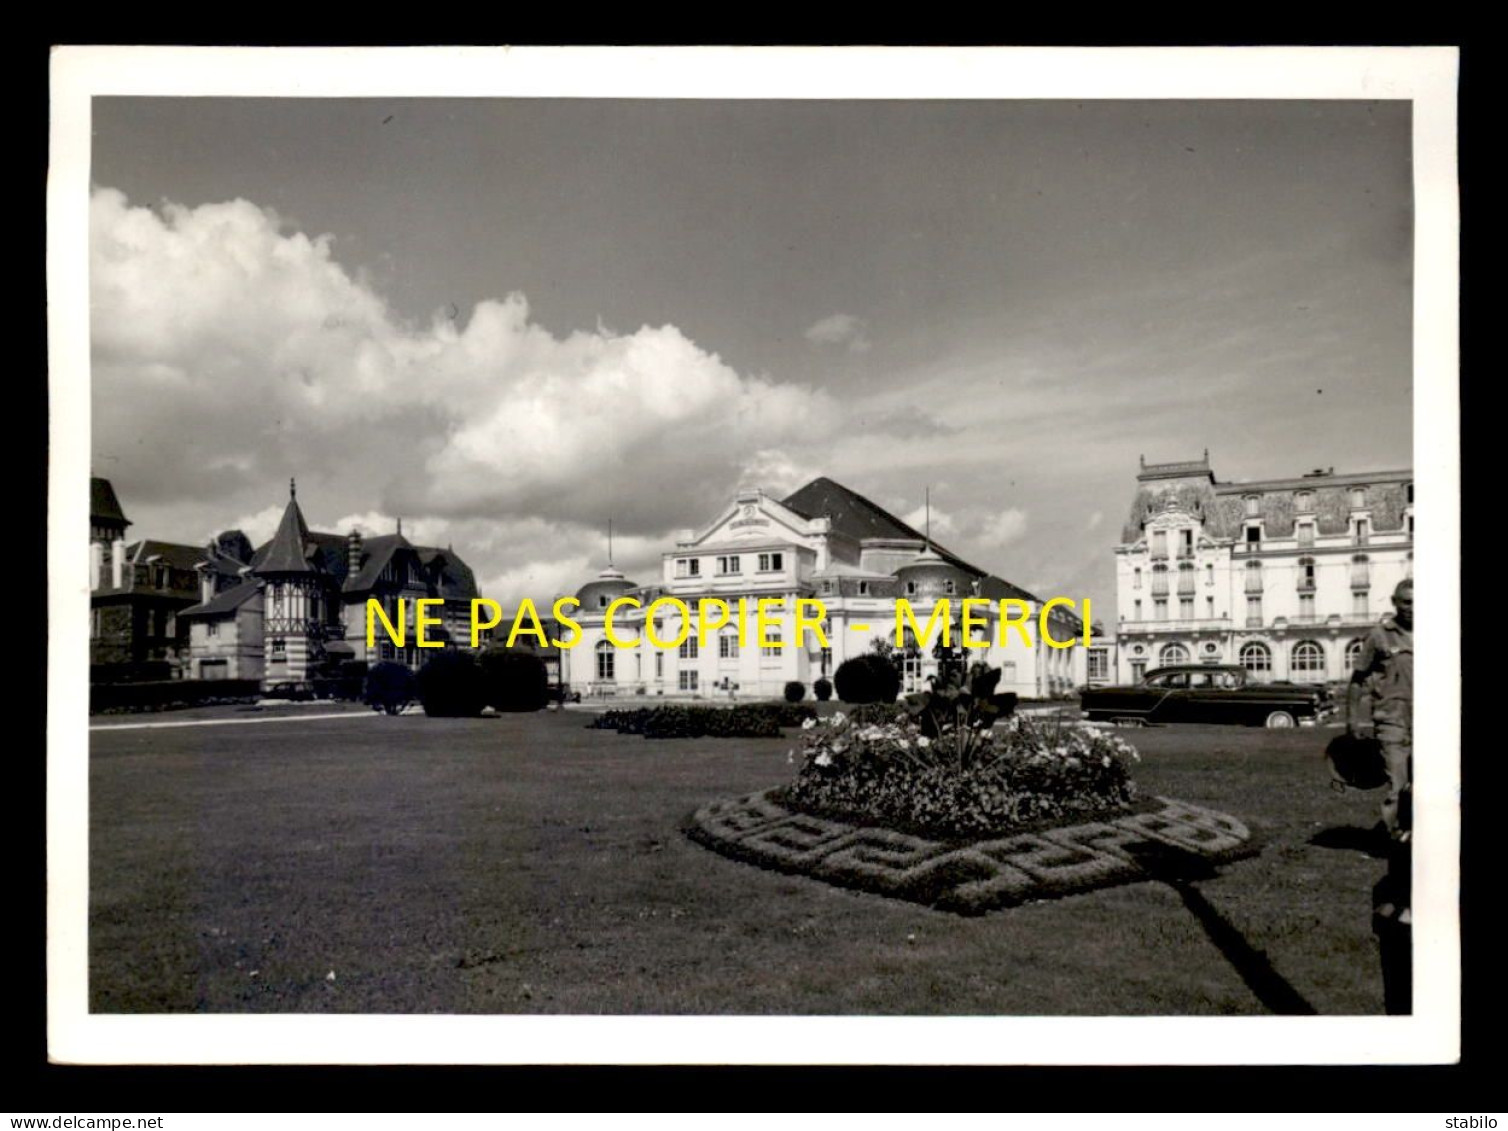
x,y
863,589
1253,505
948,587
1303,502
911,587
602,601
1358,498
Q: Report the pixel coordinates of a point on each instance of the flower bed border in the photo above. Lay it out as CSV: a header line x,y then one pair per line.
x,y
973,877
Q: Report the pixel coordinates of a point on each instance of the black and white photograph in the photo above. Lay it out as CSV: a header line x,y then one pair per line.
x,y
765,555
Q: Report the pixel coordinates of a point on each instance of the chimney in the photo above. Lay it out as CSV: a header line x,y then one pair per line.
x,y
117,562
353,552
207,574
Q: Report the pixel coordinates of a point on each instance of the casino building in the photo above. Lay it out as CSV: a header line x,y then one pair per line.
x,y
1281,576
827,542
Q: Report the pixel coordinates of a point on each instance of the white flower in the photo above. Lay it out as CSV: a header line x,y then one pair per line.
x,y
807,724
824,759
923,741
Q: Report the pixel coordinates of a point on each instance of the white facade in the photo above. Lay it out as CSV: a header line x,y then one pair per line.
x,y
760,548
1282,576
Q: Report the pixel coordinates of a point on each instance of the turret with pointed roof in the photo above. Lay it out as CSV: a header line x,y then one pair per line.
x,y
289,550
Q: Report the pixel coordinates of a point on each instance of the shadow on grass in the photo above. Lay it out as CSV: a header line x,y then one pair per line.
x,y
1180,870
1350,838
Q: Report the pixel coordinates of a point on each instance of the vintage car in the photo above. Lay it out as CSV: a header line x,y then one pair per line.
x,y
1207,693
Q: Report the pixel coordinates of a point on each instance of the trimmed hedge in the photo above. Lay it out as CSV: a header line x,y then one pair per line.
x,y
869,678
514,681
795,691
452,686
751,720
389,687
144,671
823,690
168,695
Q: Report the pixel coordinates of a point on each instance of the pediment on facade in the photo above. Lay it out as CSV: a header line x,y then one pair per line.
x,y
754,519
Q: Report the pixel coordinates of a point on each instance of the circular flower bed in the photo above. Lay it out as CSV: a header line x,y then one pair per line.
x,y
947,773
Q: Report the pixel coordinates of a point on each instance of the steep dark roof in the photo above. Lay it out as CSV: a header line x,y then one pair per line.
x,y
103,505
456,581
854,516
375,555
224,603
288,552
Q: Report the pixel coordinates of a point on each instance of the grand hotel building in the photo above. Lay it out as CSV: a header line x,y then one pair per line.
x,y
1281,576
824,541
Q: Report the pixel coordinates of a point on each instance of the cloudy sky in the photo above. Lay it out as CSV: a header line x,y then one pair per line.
x,y
508,321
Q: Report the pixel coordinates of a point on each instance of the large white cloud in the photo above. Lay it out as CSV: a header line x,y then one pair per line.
x,y
230,353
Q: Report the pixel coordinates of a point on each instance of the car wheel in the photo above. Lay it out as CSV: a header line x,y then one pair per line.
x,y
1280,719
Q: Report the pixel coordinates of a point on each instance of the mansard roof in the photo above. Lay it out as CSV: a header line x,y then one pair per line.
x,y
174,554
1221,506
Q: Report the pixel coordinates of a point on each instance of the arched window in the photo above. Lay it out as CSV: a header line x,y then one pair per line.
x,y
1256,657
1308,659
605,660
1353,650
1173,654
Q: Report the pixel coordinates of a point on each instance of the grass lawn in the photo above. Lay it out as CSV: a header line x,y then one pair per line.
x,y
527,864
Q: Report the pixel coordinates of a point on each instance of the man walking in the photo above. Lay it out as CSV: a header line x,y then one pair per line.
x,y
1380,705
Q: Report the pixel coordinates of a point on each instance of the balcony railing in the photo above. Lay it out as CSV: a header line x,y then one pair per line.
x,y
1181,624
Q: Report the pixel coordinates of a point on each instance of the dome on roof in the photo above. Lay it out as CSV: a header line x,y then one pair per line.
x,y
603,590
932,577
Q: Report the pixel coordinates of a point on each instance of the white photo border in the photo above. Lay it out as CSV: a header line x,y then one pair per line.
x,y
1426,76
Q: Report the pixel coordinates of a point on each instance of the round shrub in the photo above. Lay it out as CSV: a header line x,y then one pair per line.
x,y
388,687
795,691
869,678
514,681
451,686
823,689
